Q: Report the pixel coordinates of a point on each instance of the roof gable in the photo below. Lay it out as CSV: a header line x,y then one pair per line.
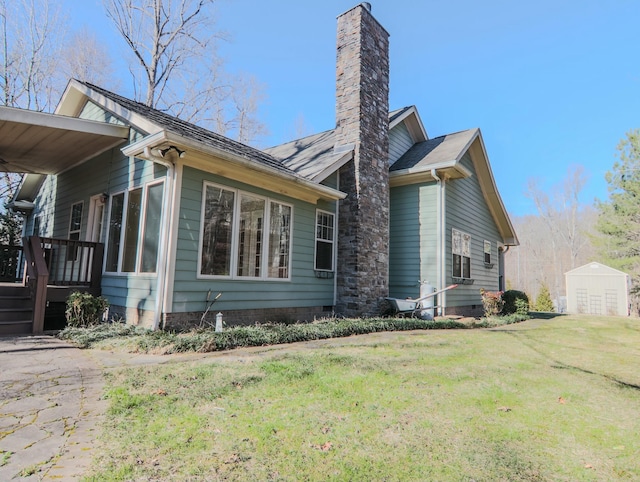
x,y
152,121
440,151
595,269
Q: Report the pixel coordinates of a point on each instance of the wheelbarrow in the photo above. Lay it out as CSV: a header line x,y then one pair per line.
x,y
412,307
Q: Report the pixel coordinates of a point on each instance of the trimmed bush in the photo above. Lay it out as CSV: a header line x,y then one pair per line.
x,y
84,309
515,302
492,302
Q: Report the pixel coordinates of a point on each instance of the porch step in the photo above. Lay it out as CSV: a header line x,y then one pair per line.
x,y
13,302
8,290
16,312
15,327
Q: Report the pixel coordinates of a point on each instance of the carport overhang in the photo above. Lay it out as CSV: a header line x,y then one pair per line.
x,y
39,143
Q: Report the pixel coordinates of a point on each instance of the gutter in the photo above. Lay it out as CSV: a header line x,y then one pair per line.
x,y
166,233
151,141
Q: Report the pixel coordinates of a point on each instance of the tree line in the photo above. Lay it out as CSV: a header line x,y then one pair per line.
x,y
565,234
171,51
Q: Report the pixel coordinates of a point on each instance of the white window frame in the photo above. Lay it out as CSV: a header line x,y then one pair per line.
x,y
72,255
79,230
463,250
235,236
331,241
141,229
488,250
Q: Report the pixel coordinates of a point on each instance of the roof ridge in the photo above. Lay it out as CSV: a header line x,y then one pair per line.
x,y
190,129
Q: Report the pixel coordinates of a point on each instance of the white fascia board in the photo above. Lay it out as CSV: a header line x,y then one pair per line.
x,y
165,137
62,122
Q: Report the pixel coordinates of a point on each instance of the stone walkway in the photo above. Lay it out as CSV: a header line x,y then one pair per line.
x,y
50,407
51,402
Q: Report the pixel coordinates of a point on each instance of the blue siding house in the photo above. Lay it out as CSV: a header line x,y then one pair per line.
x,y
333,222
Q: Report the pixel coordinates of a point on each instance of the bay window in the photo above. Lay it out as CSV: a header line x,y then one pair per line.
x,y
244,235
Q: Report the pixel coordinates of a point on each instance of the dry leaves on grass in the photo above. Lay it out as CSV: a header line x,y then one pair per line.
x,y
325,447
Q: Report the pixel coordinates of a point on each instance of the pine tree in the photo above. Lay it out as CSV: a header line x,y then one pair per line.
x,y
619,216
544,301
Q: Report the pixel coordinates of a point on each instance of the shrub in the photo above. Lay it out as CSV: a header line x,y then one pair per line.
x,y
544,301
515,302
84,309
492,302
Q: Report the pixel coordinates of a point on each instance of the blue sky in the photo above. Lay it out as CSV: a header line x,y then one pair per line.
x,y
551,84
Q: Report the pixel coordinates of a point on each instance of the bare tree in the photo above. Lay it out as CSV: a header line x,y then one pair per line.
x,y
176,68
30,37
31,42
555,240
86,59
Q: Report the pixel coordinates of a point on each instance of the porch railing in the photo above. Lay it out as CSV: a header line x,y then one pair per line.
x,y
72,262
52,264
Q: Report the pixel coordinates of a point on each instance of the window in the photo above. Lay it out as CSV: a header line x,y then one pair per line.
x,y
487,252
251,233
75,224
324,241
244,235
216,233
279,240
36,225
134,230
151,230
461,250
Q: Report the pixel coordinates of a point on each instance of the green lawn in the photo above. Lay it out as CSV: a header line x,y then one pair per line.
x,y
555,399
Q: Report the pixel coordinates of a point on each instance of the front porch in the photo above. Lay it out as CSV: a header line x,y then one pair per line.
x,y
40,275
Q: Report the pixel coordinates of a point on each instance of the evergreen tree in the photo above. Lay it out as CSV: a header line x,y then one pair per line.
x,y
10,228
544,301
619,216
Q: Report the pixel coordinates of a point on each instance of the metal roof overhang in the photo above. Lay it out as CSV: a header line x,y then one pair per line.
x,y
36,142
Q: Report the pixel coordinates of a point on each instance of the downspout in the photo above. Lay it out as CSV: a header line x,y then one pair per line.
x,y
502,286
166,233
335,250
440,243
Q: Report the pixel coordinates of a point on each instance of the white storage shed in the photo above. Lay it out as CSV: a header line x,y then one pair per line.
x,y
598,290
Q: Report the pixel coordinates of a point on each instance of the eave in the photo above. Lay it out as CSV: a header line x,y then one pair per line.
x,y
448,170
231,166
36,142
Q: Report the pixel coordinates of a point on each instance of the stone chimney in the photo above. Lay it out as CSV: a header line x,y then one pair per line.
x,y
362,120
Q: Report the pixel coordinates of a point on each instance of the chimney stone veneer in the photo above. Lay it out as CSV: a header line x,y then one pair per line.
x,y
362,116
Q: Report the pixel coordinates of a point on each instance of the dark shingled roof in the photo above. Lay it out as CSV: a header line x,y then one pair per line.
x,y
394,114
447,148
309,156
192,131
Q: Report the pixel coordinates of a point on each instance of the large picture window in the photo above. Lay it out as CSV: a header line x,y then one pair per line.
x,y
134,230
244,235
324,240
461,250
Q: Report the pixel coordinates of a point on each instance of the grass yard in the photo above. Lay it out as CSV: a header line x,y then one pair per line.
x,y
555,399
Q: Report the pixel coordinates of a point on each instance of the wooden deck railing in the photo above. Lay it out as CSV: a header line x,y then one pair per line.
x,y
36,275
74,263
57,264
